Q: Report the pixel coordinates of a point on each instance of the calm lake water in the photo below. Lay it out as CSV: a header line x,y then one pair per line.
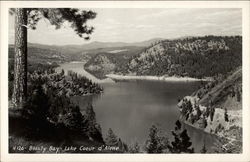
x,y
130,109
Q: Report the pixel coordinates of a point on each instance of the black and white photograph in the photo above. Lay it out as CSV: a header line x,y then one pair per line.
x,y
125,80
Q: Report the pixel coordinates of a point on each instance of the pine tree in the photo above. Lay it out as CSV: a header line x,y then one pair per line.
x,y
111,138
90,114
212,110
204,149
204,120
134,148
198,112
91,127
189,106
186,108
238,94
226,115
123,147
38,104
28,18
73,118
62,72
154,144
20,64
181,143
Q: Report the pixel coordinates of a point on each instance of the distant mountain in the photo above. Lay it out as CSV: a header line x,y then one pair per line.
x,y
42,55
53,53
94,45
148,42
97,44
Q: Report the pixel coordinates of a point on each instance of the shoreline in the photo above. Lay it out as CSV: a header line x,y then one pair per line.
x,y
159,78
115,77
224,143
80,71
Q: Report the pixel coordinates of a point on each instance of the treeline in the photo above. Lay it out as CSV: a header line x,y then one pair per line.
x,y
49,115
71,84
157,142
105,63
193,57
51,118
188,109
43,55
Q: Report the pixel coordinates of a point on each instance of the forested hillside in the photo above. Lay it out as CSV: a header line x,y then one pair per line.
x,y
217,108
44,54
193,57
39,55
111,61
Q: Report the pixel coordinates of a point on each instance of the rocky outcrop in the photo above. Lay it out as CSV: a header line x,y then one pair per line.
x,y
217,110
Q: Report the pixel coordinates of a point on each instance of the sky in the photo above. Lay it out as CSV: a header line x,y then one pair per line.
x,y
135,25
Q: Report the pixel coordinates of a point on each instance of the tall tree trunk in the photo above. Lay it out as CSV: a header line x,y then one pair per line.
x,y
20,64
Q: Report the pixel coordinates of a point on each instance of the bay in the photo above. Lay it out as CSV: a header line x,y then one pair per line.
x,y
131,108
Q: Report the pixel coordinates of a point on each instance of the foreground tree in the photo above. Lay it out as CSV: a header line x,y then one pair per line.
x,y
28,18
134,148
111,138
204,148
93,129
20,63
181,143
156,143
152,144
226,115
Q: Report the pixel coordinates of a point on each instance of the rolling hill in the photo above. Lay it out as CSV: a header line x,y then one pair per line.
x,y
42,53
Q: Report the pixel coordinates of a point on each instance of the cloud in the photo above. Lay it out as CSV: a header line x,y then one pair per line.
x,y
133,25
219,13
206,25
143,26
164,13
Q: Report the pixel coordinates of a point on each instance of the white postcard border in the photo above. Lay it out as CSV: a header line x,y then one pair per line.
x,y
5,156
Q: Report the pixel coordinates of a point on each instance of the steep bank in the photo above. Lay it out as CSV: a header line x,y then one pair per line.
x,y
216,108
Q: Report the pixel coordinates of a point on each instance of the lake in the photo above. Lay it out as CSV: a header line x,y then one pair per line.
x,y
130,109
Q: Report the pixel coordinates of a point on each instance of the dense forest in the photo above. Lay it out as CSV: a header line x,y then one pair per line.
x,y
49,115
106,62
40,55
70,84
193,57
197,57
